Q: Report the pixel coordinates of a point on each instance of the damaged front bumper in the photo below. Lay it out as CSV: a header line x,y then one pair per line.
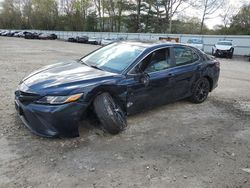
x,y
223,52
51,120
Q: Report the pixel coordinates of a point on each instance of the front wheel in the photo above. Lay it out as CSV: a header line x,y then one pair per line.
x,y
214,53
110,113
200,91
231,53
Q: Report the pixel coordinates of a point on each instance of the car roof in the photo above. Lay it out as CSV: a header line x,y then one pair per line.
x,y
152,44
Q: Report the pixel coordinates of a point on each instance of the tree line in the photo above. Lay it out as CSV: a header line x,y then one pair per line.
x,y
148,16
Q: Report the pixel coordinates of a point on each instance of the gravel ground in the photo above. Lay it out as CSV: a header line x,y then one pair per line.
x,y
177,145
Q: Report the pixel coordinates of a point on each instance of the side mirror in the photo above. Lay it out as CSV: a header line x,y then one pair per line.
x,y
144,79
141,77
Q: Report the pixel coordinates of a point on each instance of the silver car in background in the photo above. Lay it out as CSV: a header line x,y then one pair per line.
x,y
196,42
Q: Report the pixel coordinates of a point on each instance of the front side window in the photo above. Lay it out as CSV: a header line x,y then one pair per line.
x,y
156,61
114,58
184,56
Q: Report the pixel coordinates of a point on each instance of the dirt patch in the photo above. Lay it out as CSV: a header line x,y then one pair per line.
x,y
177,145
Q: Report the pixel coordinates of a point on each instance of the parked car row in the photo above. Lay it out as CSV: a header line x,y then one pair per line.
x,y
28,35
44,36
223,48
94,40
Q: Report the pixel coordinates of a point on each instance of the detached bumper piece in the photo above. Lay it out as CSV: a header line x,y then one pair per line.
x,y
49,120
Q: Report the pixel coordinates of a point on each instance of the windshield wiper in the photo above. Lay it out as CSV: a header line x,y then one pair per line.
x,y
89,65
95,67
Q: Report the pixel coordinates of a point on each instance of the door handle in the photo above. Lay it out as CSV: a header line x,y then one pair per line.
x,y
171,74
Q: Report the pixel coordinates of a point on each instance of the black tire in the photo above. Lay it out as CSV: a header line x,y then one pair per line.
x,y
110,113
231,53
200,91
214,53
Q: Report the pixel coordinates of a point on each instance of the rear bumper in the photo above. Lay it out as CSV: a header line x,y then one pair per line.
x,y
51,120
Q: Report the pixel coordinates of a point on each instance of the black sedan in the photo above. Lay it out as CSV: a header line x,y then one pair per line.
x,y
82,39
112,82
31,35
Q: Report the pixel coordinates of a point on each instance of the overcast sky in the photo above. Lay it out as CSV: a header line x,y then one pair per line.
x,y
214,19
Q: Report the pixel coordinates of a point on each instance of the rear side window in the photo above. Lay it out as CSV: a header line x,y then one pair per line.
x,y
184,56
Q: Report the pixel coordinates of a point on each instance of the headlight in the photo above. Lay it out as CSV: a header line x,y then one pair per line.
x,y
59,99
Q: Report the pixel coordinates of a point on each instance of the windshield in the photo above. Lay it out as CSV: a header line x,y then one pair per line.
x,y
225,43
113,58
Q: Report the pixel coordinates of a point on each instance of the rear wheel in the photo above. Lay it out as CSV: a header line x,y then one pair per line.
x,y
200,91
110,113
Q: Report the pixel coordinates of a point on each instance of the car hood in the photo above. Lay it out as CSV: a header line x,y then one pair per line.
x,y
222,47
62,77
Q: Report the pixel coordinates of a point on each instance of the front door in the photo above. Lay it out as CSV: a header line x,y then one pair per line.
x,y
151,83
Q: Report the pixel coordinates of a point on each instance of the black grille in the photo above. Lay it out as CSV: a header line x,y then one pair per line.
x,y
26,97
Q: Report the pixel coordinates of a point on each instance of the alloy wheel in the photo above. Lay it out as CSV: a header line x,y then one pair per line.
x,y
201,90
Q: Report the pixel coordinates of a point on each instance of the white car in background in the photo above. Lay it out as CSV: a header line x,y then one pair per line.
x,y
94,40
197,43
107,41
223,48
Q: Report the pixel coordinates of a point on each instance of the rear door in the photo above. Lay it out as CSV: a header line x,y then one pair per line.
x,y
187,63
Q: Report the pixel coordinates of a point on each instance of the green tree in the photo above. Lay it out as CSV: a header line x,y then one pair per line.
x,y
91,22
10,16
27,14
76,13
241,22
188,25
44,14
